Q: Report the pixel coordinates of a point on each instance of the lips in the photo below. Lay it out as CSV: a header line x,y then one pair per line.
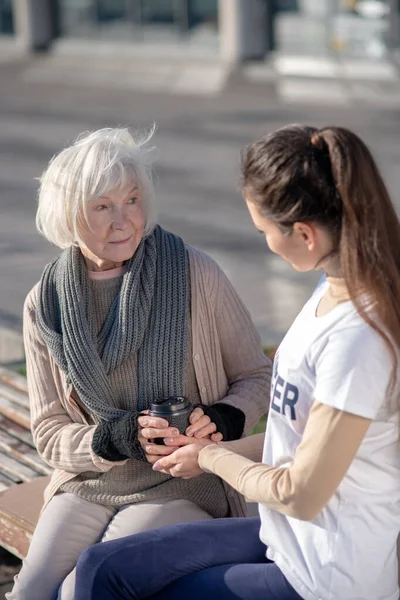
x,y
121,242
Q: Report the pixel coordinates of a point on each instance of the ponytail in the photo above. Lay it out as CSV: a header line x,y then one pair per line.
x,y
370,236
329,176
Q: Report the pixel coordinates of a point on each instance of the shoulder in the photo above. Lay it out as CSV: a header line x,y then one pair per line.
x,y
201,260
353,370
356,345
352,330
204,270
31,302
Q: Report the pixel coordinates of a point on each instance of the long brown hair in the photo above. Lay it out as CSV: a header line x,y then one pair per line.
x,y
329,176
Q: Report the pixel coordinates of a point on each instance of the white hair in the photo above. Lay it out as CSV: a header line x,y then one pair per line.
x,y
96,164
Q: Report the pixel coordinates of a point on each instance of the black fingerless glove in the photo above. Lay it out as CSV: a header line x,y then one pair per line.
x,y
118,440
228,419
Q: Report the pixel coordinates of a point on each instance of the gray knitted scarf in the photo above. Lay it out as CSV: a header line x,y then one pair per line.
x,y
150,316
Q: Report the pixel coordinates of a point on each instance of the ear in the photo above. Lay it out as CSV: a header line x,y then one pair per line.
x,y
308,233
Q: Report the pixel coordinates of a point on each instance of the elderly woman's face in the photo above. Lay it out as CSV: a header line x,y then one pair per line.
x,y
116,225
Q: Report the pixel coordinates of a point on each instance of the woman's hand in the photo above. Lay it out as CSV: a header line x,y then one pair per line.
x,y
183,462
202,427
151,428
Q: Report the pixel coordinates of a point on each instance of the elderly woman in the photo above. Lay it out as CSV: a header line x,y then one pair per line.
x,y
127,314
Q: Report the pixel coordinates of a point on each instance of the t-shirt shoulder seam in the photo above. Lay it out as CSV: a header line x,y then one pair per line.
x,y
355,409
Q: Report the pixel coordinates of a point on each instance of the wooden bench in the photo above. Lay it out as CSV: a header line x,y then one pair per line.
x,y
23,474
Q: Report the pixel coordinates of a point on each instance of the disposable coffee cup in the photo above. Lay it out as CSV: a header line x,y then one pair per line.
x,y
175,409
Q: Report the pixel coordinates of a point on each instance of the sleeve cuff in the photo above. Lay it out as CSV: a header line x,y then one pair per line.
x,y
102,464
117,440
209,455
226,464
103,446
228,419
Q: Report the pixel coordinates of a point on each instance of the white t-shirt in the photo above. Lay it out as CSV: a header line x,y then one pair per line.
x,y
348,552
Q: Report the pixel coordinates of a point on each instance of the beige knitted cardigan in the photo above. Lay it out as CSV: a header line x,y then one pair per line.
x,y
228,361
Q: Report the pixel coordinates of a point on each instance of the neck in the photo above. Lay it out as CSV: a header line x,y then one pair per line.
x,y
101,265
338,290
332,268
94,263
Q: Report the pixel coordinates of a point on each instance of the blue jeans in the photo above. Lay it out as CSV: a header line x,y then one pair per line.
x,y
222,559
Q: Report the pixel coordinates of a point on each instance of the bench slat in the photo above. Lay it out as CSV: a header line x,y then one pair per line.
x,y
16,396
20,466
16,431
14,379
5,483
23,453
14,411
19,512
16,470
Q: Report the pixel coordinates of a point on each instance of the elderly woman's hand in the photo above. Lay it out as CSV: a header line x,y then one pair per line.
x,y
183,462
151,428
202,427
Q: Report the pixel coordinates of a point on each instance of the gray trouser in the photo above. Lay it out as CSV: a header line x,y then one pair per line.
x,y
69,525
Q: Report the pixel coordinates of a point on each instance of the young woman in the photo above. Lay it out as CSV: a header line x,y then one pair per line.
x,y
329,481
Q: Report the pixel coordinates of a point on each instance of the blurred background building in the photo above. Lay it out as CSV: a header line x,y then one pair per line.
x,y
230,29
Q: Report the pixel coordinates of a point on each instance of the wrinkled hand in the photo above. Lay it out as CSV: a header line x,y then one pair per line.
x,y
183,462
202,427
151,428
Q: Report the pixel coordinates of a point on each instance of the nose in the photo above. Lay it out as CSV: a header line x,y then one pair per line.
x,y
120,220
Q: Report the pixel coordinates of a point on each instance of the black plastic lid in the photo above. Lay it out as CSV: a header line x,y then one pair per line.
x,y
171,405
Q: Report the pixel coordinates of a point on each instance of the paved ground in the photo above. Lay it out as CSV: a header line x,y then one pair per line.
x,y
200,134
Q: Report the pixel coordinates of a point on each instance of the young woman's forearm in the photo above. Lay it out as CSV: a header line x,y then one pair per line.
x,y
302,488
249,447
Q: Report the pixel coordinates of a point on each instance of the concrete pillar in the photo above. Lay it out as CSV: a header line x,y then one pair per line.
x,y
394,26
21,23
33,24
244,27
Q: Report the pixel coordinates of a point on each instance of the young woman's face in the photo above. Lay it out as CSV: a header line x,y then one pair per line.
x,y
115,228
304,247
